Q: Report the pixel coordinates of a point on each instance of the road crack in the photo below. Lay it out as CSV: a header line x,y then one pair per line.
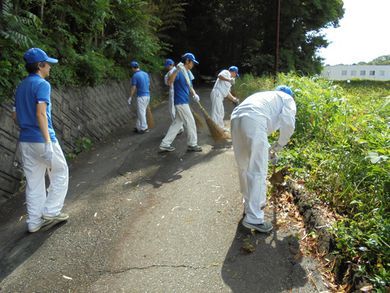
x,y
124,270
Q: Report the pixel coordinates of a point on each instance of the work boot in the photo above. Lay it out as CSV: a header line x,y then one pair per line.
x,y
264,227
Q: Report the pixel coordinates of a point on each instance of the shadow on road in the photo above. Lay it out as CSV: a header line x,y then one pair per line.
x,y
165,167
272,266
17,245
124,152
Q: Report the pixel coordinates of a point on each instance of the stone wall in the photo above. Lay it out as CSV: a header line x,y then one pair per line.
x,y
77,112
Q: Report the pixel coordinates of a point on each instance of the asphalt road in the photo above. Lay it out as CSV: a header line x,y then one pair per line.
x,y
142,221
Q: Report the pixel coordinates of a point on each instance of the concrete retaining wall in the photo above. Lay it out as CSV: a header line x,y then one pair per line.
x,y
82,112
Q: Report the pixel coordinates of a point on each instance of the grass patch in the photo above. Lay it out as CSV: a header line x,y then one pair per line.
x,y
340,149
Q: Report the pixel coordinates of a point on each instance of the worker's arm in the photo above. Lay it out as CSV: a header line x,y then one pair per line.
x,y
133,90
193,93
232,98
42,121
224,75
172,77
287,121
14,117
224,78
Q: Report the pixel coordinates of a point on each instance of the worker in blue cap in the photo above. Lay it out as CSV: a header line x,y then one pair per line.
x,y
140,84
251,122
183,89
40,150
220,91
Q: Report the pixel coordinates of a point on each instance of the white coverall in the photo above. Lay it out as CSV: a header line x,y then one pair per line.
x,y
251,122
220,90
34,166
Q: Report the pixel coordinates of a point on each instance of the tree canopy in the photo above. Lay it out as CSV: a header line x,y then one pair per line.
x,y
382,60
96,39
243,33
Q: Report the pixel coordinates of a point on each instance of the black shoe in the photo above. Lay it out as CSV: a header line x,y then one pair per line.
x,y
265,227
167,148
194,148
143,131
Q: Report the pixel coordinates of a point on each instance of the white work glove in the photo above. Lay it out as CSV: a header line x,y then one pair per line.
x,y
196,98
232,80
129,101
276,147
48,152
236,101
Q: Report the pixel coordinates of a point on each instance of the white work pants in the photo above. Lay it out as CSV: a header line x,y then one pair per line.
x,y
250,144
171,106
183,117
217,109
38,203
142,105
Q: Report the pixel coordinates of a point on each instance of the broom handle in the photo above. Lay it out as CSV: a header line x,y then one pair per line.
x,y
203,109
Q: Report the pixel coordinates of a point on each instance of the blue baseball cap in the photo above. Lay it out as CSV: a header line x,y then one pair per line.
x,y
190,56
285,89
35,55
134,64
168,62
234,69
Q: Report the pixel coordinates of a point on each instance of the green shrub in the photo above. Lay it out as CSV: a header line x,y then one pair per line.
x,y
341,150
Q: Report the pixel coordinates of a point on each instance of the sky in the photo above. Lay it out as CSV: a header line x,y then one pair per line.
x,y
363,34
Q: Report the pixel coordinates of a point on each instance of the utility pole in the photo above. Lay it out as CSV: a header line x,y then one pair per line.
x,y
277,39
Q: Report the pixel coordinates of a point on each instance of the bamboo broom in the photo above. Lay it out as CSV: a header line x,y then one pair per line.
x,y
216,132
149,118
198,119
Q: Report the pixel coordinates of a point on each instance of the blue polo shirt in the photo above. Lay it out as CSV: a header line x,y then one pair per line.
x,y
31,91
140,79
181,90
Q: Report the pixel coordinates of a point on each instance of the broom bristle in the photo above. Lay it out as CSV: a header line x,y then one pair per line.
x,y
217,133
198,119
149,117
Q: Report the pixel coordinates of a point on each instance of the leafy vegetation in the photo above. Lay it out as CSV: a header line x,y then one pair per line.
x,y
341,151
82,144
94,40
382,60
244,33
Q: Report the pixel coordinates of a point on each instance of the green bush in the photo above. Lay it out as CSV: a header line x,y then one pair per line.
x,y
341,150
93,40
92,68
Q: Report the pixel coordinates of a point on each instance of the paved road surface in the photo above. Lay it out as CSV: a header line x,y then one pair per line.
x,y
141,221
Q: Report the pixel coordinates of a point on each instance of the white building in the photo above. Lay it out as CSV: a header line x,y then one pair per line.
x,y
345,72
